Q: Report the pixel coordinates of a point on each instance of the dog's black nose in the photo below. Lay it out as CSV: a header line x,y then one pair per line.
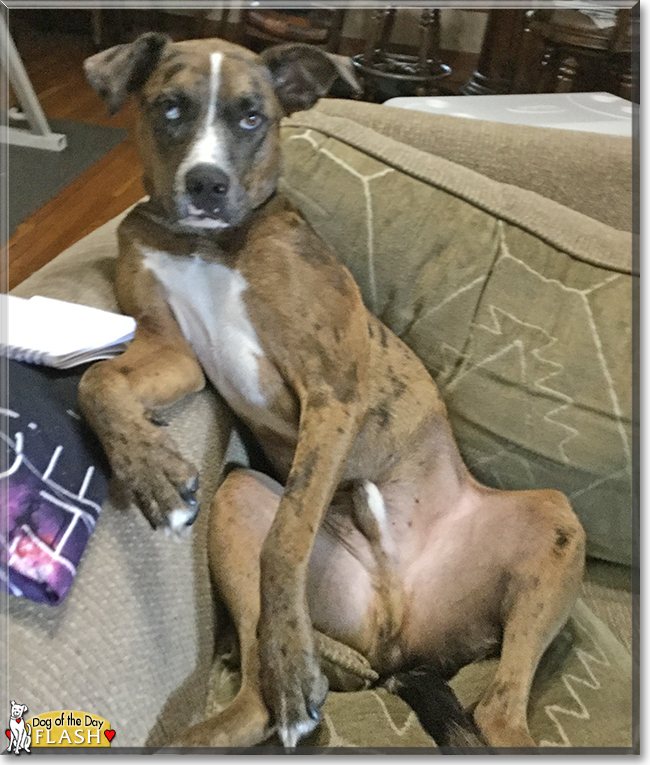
x,y
207,186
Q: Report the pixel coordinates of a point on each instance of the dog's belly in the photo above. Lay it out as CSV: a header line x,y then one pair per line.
x,y
451,584
206,299
458,581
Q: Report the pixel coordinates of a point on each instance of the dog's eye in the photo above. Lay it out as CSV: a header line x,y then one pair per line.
x,y
172,110
251,121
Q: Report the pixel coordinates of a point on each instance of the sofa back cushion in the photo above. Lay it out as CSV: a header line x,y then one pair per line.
x,y
587,172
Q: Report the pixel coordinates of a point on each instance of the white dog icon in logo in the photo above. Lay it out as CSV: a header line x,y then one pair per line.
x,y
20,732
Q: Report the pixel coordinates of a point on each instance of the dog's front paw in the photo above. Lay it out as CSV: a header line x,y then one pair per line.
x,y
157,479
293,685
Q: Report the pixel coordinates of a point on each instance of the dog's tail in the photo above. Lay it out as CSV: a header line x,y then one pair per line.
x,y
438,709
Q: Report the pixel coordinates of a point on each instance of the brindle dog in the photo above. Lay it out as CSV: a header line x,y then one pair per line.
x,y
376,533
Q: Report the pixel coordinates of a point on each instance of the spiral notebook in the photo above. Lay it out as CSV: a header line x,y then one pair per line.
x,y
42,330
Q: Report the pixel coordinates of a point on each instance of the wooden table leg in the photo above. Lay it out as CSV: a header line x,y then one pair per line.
x,y
499,59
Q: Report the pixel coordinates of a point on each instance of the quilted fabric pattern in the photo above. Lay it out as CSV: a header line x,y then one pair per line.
x,y
580,698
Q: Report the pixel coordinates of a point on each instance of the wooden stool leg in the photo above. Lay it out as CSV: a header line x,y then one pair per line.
x,y
429,53
334,40
566,75
224,20
499,53
625,79
381,28
527,73
548,70
240,32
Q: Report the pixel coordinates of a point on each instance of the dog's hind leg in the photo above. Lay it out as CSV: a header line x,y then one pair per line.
x,y
543,586
241,514
364,616
27,741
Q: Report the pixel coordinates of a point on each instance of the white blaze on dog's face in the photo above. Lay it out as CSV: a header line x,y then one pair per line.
x,y
209,115
208,161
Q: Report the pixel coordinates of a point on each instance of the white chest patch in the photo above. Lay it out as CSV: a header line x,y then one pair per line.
x,y
206,299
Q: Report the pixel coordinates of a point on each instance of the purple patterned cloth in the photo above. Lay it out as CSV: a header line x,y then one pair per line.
x,y
53,479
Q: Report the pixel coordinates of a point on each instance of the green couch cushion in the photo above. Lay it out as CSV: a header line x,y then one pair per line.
x,y
519,307
581,695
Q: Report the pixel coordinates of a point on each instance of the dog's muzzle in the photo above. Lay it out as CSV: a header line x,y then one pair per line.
x,y
207,187
206,194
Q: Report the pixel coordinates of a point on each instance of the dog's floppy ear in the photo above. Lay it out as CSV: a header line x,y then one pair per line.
x,y
302,73
118,72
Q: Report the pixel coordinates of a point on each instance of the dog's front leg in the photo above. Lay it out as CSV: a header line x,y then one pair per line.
x,y
293,687
118,396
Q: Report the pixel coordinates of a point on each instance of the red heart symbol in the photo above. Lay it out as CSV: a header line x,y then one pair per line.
x,y
18,720
8,732
110,734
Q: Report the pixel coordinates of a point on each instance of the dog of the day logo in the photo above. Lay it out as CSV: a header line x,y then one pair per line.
x,y
63,728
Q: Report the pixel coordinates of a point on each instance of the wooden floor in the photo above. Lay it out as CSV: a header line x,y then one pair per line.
x,y
54,64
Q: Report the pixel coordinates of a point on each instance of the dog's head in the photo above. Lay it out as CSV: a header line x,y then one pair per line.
x,y
17,710
209,114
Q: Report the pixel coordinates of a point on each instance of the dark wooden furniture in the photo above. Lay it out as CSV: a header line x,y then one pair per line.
x,y
320,26
503,56
581,56
553,50
111,26
386,74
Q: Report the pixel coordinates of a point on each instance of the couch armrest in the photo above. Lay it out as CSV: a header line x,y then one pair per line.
x,y
587,172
